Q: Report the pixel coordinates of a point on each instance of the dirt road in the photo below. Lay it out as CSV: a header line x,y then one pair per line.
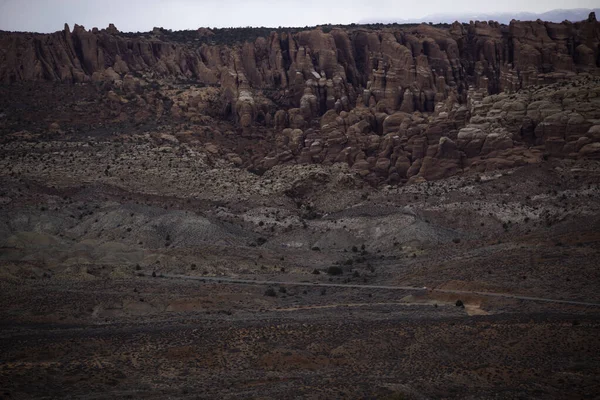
x,y
375,287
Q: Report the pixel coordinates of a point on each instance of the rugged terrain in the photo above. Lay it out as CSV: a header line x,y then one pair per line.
x,y
343,212
395,103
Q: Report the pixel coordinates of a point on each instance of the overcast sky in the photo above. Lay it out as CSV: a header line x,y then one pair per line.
x,y
143,15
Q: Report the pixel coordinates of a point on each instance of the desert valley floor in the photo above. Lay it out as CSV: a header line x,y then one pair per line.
x,y
115,280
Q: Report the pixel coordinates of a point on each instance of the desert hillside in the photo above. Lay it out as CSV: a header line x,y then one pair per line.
x,y
353,212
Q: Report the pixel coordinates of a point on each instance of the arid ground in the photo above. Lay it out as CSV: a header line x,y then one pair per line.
x,y
340,212
95,229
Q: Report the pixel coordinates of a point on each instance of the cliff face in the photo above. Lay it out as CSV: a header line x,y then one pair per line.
x,y
381,100
426,60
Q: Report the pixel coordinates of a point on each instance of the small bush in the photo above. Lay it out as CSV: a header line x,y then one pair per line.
x,y
270,292
316,272
335,270
282,289
459,303
456,240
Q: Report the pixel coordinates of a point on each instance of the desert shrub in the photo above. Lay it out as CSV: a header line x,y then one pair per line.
x,y
459,303
456,240
282,289
316,272
333,270
270,292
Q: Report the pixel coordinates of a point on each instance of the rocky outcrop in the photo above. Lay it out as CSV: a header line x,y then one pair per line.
x,y
395,104
498,131
403,68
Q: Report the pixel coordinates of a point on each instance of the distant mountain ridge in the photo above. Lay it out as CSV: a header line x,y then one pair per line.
x,y
557,15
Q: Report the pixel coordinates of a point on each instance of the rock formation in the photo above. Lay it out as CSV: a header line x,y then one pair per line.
x,y
396,104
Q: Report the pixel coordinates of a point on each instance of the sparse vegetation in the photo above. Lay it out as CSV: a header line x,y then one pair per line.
x,y
73,236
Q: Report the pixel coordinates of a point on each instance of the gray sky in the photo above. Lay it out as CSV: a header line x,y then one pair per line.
x,y
143,15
